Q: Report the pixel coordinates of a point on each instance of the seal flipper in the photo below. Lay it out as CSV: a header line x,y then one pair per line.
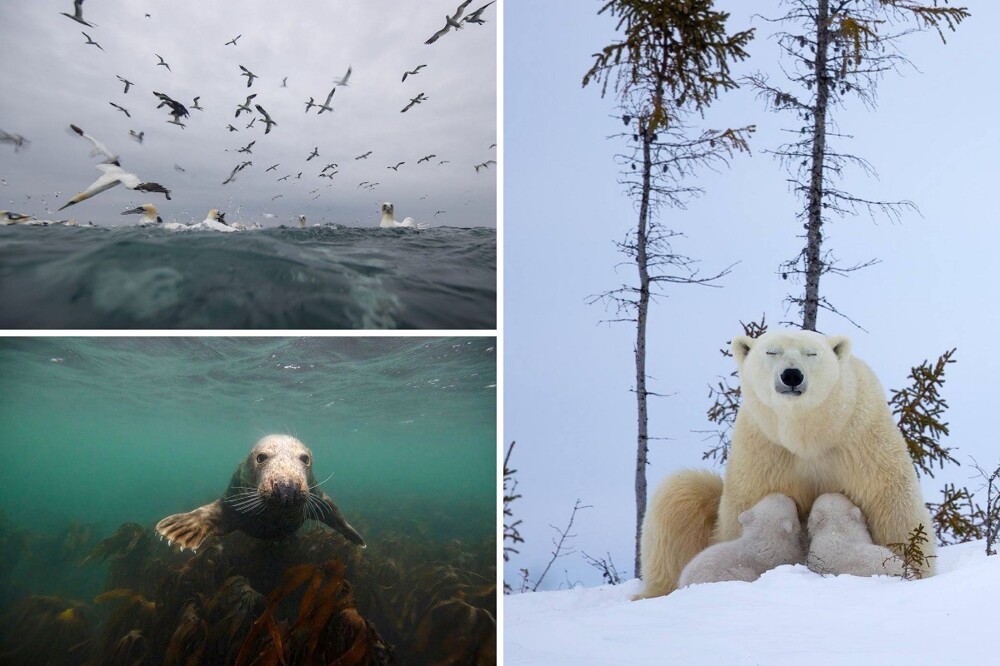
x,y
189,529
333,517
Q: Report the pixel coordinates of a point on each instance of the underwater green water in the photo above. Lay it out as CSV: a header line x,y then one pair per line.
x,y
102,431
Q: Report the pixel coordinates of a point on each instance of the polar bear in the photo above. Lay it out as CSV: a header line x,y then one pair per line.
x,y
813,420
772,535
839,542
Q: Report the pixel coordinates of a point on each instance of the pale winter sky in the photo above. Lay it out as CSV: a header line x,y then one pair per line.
x,y
567,399
52,78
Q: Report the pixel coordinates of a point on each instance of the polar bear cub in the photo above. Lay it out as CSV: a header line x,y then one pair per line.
x,y
771,535
841,544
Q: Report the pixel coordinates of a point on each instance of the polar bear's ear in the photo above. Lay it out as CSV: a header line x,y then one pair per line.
x,y
840,345
856,514
740,347
746,517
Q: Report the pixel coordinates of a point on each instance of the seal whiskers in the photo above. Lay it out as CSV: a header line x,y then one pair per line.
x,y
271,493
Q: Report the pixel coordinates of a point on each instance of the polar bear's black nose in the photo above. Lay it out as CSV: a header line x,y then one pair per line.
x,y
791,377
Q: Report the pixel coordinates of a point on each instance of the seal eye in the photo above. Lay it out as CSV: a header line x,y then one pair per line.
x,y
261,457
305,460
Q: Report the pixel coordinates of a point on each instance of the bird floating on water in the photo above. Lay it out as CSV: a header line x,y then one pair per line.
x,y
148,212
389,221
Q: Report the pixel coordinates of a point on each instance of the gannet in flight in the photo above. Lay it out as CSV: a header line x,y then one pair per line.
x,y
126,82
138,136
315,153
98,149
178,167
426,158
267,118
476,16
247,148
415,70
271,168
111,175
284,82
231,128
77,14
233,40
450,22
388,221
91,41
396,168
342,81
121,108
310,104
195,105
414,100
325,106
252,121
16,139
245,106
162,62
250,76
177,110
363,157
484,165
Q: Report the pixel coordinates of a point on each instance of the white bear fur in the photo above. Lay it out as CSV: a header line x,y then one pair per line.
x,y
772,535
837,434
839,542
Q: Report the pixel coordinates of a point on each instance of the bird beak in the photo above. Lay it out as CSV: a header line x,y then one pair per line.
x,y
134,211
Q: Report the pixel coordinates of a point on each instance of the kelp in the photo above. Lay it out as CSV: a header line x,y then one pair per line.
x,y
45,630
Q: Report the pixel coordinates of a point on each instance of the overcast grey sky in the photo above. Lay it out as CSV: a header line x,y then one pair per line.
x,y
52,78
567,377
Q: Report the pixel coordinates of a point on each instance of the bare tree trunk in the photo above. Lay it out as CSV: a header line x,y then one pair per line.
x,y
814,224
641,260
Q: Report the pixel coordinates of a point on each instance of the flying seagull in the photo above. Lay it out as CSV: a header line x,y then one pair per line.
x,y
121,108
245,106
195,105
450,22
396,168
476,16
325,106
16,139
233,40
267,118
315,153
414,100
342,81
250,75
126,82
111,174
415,70
162,62
363,157
77,14
91,41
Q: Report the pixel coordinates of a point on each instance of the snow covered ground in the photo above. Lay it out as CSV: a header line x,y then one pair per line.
x,y
789,616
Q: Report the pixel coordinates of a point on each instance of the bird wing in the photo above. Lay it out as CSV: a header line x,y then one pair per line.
x,y
437,35
99,148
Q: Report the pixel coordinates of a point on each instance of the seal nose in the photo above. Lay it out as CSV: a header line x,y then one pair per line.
x,y
792,377
287,492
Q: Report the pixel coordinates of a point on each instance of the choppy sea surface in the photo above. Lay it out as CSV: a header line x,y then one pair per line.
x,y
58,277
100,433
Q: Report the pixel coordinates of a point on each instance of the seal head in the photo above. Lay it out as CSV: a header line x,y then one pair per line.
x,y
271,493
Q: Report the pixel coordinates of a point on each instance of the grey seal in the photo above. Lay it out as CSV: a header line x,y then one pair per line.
x,y
272,492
